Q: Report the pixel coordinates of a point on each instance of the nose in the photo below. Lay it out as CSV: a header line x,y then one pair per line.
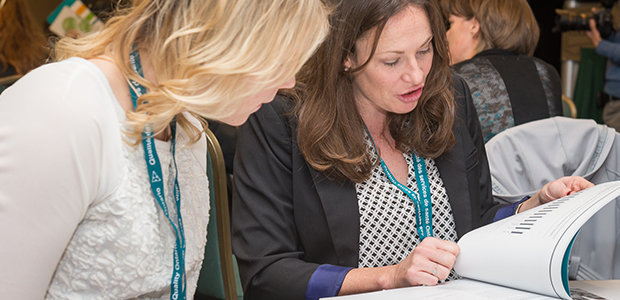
x,y
290,83
414,73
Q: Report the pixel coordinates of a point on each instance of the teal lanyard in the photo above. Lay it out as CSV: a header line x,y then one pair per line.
x,y
424,206
177,288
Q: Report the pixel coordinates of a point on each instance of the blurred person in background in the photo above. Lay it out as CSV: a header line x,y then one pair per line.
x,y
491,47
610,97
23,44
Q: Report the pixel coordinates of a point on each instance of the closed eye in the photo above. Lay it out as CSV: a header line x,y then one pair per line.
x,y
425,51
391,63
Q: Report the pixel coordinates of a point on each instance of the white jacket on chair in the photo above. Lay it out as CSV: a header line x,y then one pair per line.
x,y
524,158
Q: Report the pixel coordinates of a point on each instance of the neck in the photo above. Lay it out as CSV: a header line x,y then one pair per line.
x,y
375,123
147,67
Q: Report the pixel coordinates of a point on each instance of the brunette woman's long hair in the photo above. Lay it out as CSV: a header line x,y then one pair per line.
x,y
23,44
331,130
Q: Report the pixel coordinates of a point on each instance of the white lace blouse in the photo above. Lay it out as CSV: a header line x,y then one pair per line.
x,y
76,206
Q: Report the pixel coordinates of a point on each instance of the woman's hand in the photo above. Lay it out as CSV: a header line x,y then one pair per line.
x,y
555,190
430,262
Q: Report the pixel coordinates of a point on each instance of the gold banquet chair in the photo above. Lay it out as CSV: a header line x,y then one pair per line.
x,y
568,107
219,277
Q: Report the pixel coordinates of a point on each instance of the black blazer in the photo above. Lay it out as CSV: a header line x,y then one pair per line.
x,y
289,218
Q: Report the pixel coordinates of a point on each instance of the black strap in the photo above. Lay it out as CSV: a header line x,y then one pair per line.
x,y
526,92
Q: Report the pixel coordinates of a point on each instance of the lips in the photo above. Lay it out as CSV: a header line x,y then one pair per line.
x,y
411,96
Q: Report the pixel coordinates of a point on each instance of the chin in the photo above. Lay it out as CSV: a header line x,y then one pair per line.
x,y
405,109
237,122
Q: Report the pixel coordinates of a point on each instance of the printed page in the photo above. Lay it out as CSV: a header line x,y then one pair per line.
x,y
463,289
526,251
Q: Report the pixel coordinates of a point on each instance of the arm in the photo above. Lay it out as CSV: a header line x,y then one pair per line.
x,y
594,35
469,135
607,48
428,263
49,164
264,230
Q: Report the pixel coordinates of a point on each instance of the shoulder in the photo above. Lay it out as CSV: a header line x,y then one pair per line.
x,y
472,64
543,66
281,106
477,72
65,109
271,126
465,111
461,89
278,113
72,88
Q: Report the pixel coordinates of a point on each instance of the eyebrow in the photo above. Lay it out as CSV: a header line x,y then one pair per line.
x,y
430,38
401,52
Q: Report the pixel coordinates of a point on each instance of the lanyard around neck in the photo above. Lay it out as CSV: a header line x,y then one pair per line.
x,y
422,201
178,283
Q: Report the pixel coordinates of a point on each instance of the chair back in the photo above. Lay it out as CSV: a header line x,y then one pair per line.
x,y
5,82
568,107
218,279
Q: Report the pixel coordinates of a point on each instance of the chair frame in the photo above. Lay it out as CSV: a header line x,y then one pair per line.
x,y
223,220
571,105
9,79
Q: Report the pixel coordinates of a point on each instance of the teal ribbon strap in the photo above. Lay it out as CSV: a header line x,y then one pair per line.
x,y
178,282
422,201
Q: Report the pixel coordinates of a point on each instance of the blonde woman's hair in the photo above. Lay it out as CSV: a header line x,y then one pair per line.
x,y
207,55
504,24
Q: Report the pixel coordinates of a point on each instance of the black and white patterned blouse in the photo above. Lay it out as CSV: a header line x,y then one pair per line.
x,y
388,216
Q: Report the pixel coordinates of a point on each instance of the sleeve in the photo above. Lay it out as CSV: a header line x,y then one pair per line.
x,y
509,210
610,50
264,232
326,281
50,161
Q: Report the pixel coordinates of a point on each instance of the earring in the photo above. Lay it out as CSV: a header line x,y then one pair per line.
x,y
346,69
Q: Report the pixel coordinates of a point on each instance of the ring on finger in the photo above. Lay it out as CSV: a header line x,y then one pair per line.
x,y
434,273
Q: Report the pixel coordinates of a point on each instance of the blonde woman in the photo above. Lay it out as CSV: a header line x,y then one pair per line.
x,y
103,192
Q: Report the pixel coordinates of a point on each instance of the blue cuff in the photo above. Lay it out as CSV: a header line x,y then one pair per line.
x,y
508,210
326,281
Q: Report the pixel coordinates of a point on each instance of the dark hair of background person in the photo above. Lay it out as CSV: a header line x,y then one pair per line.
x,y
24,46
499,28
331,130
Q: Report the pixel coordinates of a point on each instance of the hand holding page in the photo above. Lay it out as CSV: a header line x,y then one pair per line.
x,y
529,251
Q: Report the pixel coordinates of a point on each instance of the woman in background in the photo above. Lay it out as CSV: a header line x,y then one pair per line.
x,y
103,187
23,44
491,47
